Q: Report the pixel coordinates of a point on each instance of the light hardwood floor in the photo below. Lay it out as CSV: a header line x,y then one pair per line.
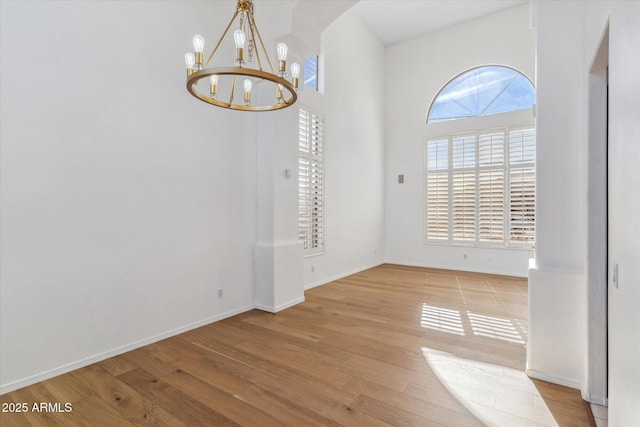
x,y
391,345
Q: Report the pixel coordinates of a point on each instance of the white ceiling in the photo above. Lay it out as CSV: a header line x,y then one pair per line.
x,y
394,21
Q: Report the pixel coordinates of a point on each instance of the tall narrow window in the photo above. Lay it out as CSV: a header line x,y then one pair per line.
x,y
311,182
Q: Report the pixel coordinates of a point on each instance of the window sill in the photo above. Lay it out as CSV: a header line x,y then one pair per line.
x,y
478,245
312,254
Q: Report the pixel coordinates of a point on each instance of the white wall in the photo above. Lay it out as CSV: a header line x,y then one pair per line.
x,y
624,199
354,121
125,202
415,71
279,281
557,299
569,36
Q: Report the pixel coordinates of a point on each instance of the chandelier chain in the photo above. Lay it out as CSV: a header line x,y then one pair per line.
x,y
254,26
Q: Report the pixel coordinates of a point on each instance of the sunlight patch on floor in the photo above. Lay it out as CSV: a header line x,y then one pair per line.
x,y
494,327
496,395
441,319
462,322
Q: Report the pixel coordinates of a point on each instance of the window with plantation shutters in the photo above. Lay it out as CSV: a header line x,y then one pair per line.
x,y
522,185
480,188
311,182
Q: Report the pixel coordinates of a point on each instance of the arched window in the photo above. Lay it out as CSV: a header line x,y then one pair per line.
x,y
480,92
480,174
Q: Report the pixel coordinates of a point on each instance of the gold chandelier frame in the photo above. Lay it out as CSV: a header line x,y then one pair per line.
x,y
285,91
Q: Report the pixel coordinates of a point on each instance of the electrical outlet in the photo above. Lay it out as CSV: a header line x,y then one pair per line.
x,y
313,269
220,293
464,256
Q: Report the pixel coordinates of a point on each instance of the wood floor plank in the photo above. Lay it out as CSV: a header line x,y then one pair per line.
x,y
132,405
313,395
180,405
288,412
117,365
231,406
444,407
94,411
391,345
392,415
145,359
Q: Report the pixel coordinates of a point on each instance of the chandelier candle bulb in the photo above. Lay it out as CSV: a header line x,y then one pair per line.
x,y
295,74
198,47
282,56
247,91
190,60
213,86
239,38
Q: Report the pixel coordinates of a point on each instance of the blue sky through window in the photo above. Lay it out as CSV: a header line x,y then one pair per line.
x,y
311,72
483,91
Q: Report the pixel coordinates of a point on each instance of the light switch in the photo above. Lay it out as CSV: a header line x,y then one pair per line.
x,y
400,179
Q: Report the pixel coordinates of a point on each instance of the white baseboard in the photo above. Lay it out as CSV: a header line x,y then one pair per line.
x,y
340,276
598,400
279,307
15,385
459,268
553,379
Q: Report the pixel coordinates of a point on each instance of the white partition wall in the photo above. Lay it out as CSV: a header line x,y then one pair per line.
x,y
565,302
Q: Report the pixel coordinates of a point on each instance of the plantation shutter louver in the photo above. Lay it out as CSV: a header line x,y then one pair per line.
x,y
438,189
464,189
304,201
311,182
522,185
491,187
480,188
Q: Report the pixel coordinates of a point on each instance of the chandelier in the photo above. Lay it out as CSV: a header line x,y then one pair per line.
x,y
230,87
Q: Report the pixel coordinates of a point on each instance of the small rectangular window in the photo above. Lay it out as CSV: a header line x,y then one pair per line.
x,y
311,72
